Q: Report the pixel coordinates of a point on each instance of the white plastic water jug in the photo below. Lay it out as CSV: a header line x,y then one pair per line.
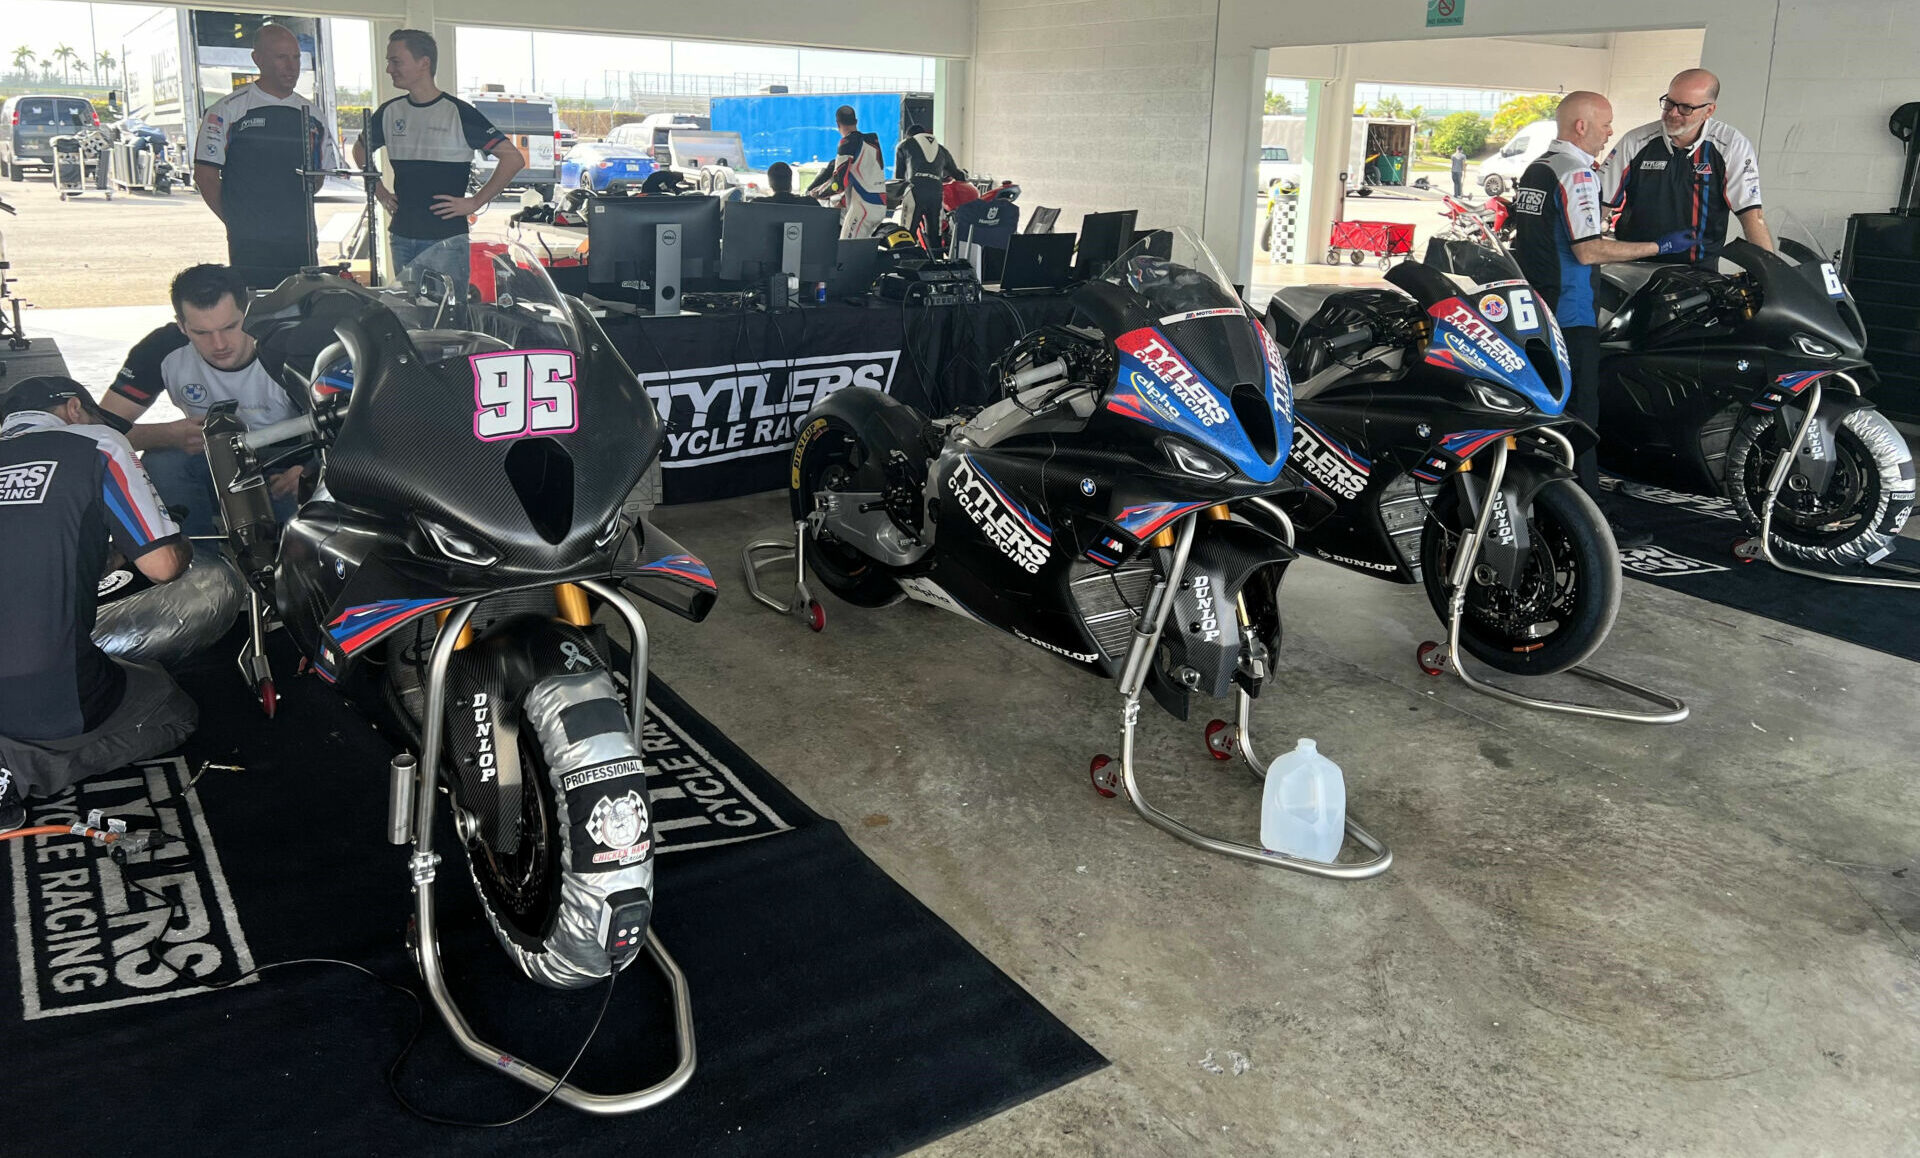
x,y
1303,811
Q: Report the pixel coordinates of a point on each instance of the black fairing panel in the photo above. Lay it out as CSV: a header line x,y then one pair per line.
x,y
658,569
410,428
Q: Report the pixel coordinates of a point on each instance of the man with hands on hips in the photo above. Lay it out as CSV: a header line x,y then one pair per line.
x,y
430,137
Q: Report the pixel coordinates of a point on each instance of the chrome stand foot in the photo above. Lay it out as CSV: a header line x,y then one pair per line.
x,y
1133,678
1435,658
424,863
1762,546
763,553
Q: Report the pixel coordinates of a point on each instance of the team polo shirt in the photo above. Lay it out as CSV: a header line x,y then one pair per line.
x,y
257,140
66,492
430,152
1556,205
1661,188
165,362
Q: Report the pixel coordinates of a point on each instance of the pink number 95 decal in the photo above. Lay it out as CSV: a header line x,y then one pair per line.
x,y
522,393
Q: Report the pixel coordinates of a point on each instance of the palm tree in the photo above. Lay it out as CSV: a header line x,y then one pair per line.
x,y
65,54
23,61
105,64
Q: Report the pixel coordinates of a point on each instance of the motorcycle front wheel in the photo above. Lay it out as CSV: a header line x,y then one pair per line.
x,y
830,459
1859,513
1567,597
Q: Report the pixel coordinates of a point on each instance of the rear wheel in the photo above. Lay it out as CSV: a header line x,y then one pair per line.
x,y
1855,517
1564,605
832,460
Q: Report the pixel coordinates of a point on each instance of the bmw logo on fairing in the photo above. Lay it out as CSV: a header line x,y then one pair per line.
x,y
1087,487
340,568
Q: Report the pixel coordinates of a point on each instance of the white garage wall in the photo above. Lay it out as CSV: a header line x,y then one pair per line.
x,y
1094,106
1643,63
1839,71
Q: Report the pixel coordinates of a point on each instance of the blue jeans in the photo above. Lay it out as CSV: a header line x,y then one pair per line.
x,y
184,481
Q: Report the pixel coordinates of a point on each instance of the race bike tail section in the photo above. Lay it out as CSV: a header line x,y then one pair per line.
x,y
1113,507
1431,423
454,592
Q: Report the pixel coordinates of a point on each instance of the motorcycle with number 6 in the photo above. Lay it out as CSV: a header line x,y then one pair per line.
x,y
1115,507
477,436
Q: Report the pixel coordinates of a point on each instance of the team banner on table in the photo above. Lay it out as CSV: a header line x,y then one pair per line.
x,y
742,410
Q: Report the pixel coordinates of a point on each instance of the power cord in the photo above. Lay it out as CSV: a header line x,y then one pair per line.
x,y
120,850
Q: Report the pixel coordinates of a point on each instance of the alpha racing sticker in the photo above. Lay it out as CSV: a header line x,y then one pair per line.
x,y
720,413
88,939
1145,347
1485,337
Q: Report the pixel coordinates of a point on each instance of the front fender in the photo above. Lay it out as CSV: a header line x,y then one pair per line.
x,y
1203,645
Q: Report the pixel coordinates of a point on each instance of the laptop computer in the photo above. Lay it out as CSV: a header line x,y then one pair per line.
x,y
1037,263
858,262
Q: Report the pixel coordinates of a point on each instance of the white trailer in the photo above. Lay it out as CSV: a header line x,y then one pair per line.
x,y
179,61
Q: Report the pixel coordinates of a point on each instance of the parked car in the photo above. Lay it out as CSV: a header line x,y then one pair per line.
x,y
1279,172
28,125
596,163
1497,173
652,133
527,121
564,137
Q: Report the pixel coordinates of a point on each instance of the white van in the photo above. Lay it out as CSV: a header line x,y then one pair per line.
x,y
531,122
1498,173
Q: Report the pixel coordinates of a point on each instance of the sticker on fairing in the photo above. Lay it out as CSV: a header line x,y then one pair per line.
x,y
1006,524
1160,360
524,394
1220,312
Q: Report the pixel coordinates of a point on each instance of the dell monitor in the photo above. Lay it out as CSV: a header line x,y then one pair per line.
x,y
769,243
659,241
1103,238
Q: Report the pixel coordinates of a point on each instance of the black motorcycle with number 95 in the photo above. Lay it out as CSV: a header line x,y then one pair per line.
x,y
478,436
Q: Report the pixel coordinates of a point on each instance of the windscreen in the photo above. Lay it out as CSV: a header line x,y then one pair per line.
x,y
1471,253
491,289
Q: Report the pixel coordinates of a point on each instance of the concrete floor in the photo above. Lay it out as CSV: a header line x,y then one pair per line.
x,y
1595,939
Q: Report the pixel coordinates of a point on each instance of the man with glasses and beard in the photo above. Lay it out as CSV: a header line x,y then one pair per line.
x,y
1686,171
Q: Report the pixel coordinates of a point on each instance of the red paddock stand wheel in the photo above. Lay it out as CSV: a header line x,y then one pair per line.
x,y
816,615
1432,658
269,699
1105,775
1747,549
1221,740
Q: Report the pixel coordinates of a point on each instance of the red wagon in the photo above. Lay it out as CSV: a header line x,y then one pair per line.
x,y
1384,239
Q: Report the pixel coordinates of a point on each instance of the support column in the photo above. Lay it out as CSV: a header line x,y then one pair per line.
x,y
951,96
1233,160
1330,136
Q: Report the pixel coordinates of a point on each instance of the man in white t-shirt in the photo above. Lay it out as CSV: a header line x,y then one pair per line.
x,y
251,144
202,357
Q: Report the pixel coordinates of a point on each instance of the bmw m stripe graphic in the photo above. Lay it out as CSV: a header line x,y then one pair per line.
x,y
1795,381
1141,522
1107,552
360,625
683,567
1468,443
1035,527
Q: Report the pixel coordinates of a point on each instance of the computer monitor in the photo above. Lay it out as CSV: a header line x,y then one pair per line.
x,y
1037,262
860,261
1103,238
759,241
661,241
1159,242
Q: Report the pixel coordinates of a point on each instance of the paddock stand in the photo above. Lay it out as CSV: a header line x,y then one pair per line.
x,y
802,605
1436,658
1133,679
1761,546
414,793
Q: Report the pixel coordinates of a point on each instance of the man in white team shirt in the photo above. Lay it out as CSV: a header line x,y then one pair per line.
x,y
200,358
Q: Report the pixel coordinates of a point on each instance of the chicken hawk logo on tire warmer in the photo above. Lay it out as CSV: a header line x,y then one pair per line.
x,y
619,824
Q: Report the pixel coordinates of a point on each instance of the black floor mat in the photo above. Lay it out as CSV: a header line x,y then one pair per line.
x,y
1692,551
834,1013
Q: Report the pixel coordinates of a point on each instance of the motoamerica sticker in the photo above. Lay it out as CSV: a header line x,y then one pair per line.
x,y
87,939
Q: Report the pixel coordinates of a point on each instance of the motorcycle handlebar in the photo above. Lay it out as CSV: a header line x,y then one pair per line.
x,y
301,426
1692,301
1352,339
1037,374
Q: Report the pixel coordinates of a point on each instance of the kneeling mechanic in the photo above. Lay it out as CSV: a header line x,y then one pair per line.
x,y
70,489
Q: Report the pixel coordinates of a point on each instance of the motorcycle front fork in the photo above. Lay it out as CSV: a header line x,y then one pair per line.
x,y
1761,547
1435,658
